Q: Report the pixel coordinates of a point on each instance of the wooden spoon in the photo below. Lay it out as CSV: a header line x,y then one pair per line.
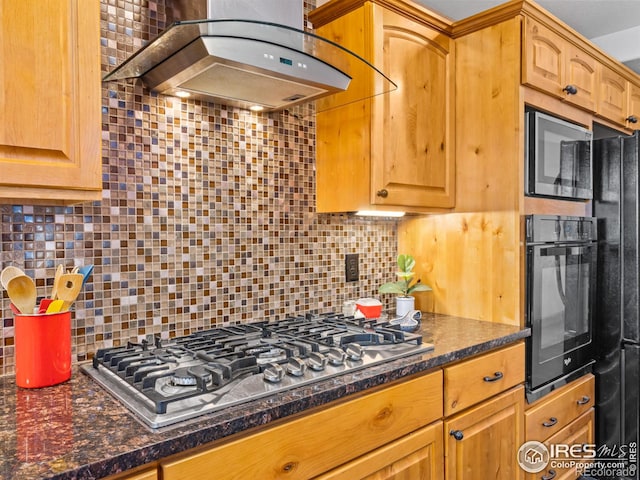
x,y
8,273
56,281
22,292
69,287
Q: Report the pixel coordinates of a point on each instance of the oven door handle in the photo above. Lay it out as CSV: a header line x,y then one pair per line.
x,y
557,251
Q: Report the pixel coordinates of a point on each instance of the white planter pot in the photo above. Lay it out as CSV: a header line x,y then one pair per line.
x,y
404,305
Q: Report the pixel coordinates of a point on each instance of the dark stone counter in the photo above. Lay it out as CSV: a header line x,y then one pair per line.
x,y
77,431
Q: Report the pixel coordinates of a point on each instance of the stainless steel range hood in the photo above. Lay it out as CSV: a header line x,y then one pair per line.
x,y
250,62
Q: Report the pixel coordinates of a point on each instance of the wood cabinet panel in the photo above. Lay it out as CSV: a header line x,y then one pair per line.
x,y
555,411
392,151
149,474
543,61
612,96
633,107
490,435
579,432
581,72
419,455
475,380
308,446
553,65
413,126
50,101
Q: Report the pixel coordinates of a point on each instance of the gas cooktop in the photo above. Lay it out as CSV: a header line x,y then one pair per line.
x,y
163,382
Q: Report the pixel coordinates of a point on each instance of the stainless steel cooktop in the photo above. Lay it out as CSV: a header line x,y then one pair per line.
x,y
163,382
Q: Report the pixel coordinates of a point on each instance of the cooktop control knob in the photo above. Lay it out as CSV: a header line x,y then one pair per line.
x,y
316,361
296,367
336,356
273,373
354,351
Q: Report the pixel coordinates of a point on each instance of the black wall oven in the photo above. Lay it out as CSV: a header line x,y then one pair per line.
x,y
561,258
559,159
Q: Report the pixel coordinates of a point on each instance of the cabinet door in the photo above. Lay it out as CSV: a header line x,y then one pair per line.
x,y
542,61
580,72
483,442
633,117
418,455
579,432
558,67
412,127
317,442
50,100
612,96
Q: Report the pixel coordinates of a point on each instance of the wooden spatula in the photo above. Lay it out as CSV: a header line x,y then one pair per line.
x,y
68,289
22,292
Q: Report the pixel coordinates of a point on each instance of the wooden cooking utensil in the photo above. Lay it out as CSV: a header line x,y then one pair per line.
x,y
8,273
69,287
56,281
22,292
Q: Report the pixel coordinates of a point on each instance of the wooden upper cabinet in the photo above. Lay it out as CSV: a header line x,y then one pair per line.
x,y
612,95
633,119
50,101
390,151
558,67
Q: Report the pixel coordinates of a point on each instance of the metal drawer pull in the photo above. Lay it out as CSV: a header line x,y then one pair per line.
x,y
584,400
552,421
496,376
457,434
552,475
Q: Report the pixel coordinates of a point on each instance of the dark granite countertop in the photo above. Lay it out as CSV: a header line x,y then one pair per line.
x,y
77,431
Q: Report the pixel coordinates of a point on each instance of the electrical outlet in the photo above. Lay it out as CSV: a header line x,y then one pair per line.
x,y
352,267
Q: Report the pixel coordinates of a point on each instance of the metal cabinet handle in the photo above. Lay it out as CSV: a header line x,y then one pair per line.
x,y
570,89
496,376
632,119
584,400
551,476
552,421
384,193
457,434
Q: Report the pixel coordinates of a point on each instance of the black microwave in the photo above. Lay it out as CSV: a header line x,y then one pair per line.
x,y
558,163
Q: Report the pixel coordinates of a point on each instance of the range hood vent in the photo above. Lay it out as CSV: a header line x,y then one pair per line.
x,y
251,63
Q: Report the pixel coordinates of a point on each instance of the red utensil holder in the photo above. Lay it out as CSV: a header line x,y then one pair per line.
x,y
43,349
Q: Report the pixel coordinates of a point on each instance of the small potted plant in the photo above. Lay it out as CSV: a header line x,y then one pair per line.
x,y
403,287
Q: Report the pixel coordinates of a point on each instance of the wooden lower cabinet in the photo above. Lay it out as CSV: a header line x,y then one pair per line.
x,y
149,474
315,443
418,456
483,441
580,431
564,417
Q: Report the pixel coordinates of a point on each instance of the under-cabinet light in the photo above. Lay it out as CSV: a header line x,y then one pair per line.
x,y
182,94
379,213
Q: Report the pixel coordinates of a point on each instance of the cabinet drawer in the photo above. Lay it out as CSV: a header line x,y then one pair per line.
x,y
474,380
417,455
580,431
555,411
313,444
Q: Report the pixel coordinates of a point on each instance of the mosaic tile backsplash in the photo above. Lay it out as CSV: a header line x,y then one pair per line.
x,y
207,216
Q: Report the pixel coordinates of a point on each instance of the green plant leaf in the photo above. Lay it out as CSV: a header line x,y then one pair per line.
x,y
419,287
399,288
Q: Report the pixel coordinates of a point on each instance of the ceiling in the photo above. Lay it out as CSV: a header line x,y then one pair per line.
x,y
613,25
